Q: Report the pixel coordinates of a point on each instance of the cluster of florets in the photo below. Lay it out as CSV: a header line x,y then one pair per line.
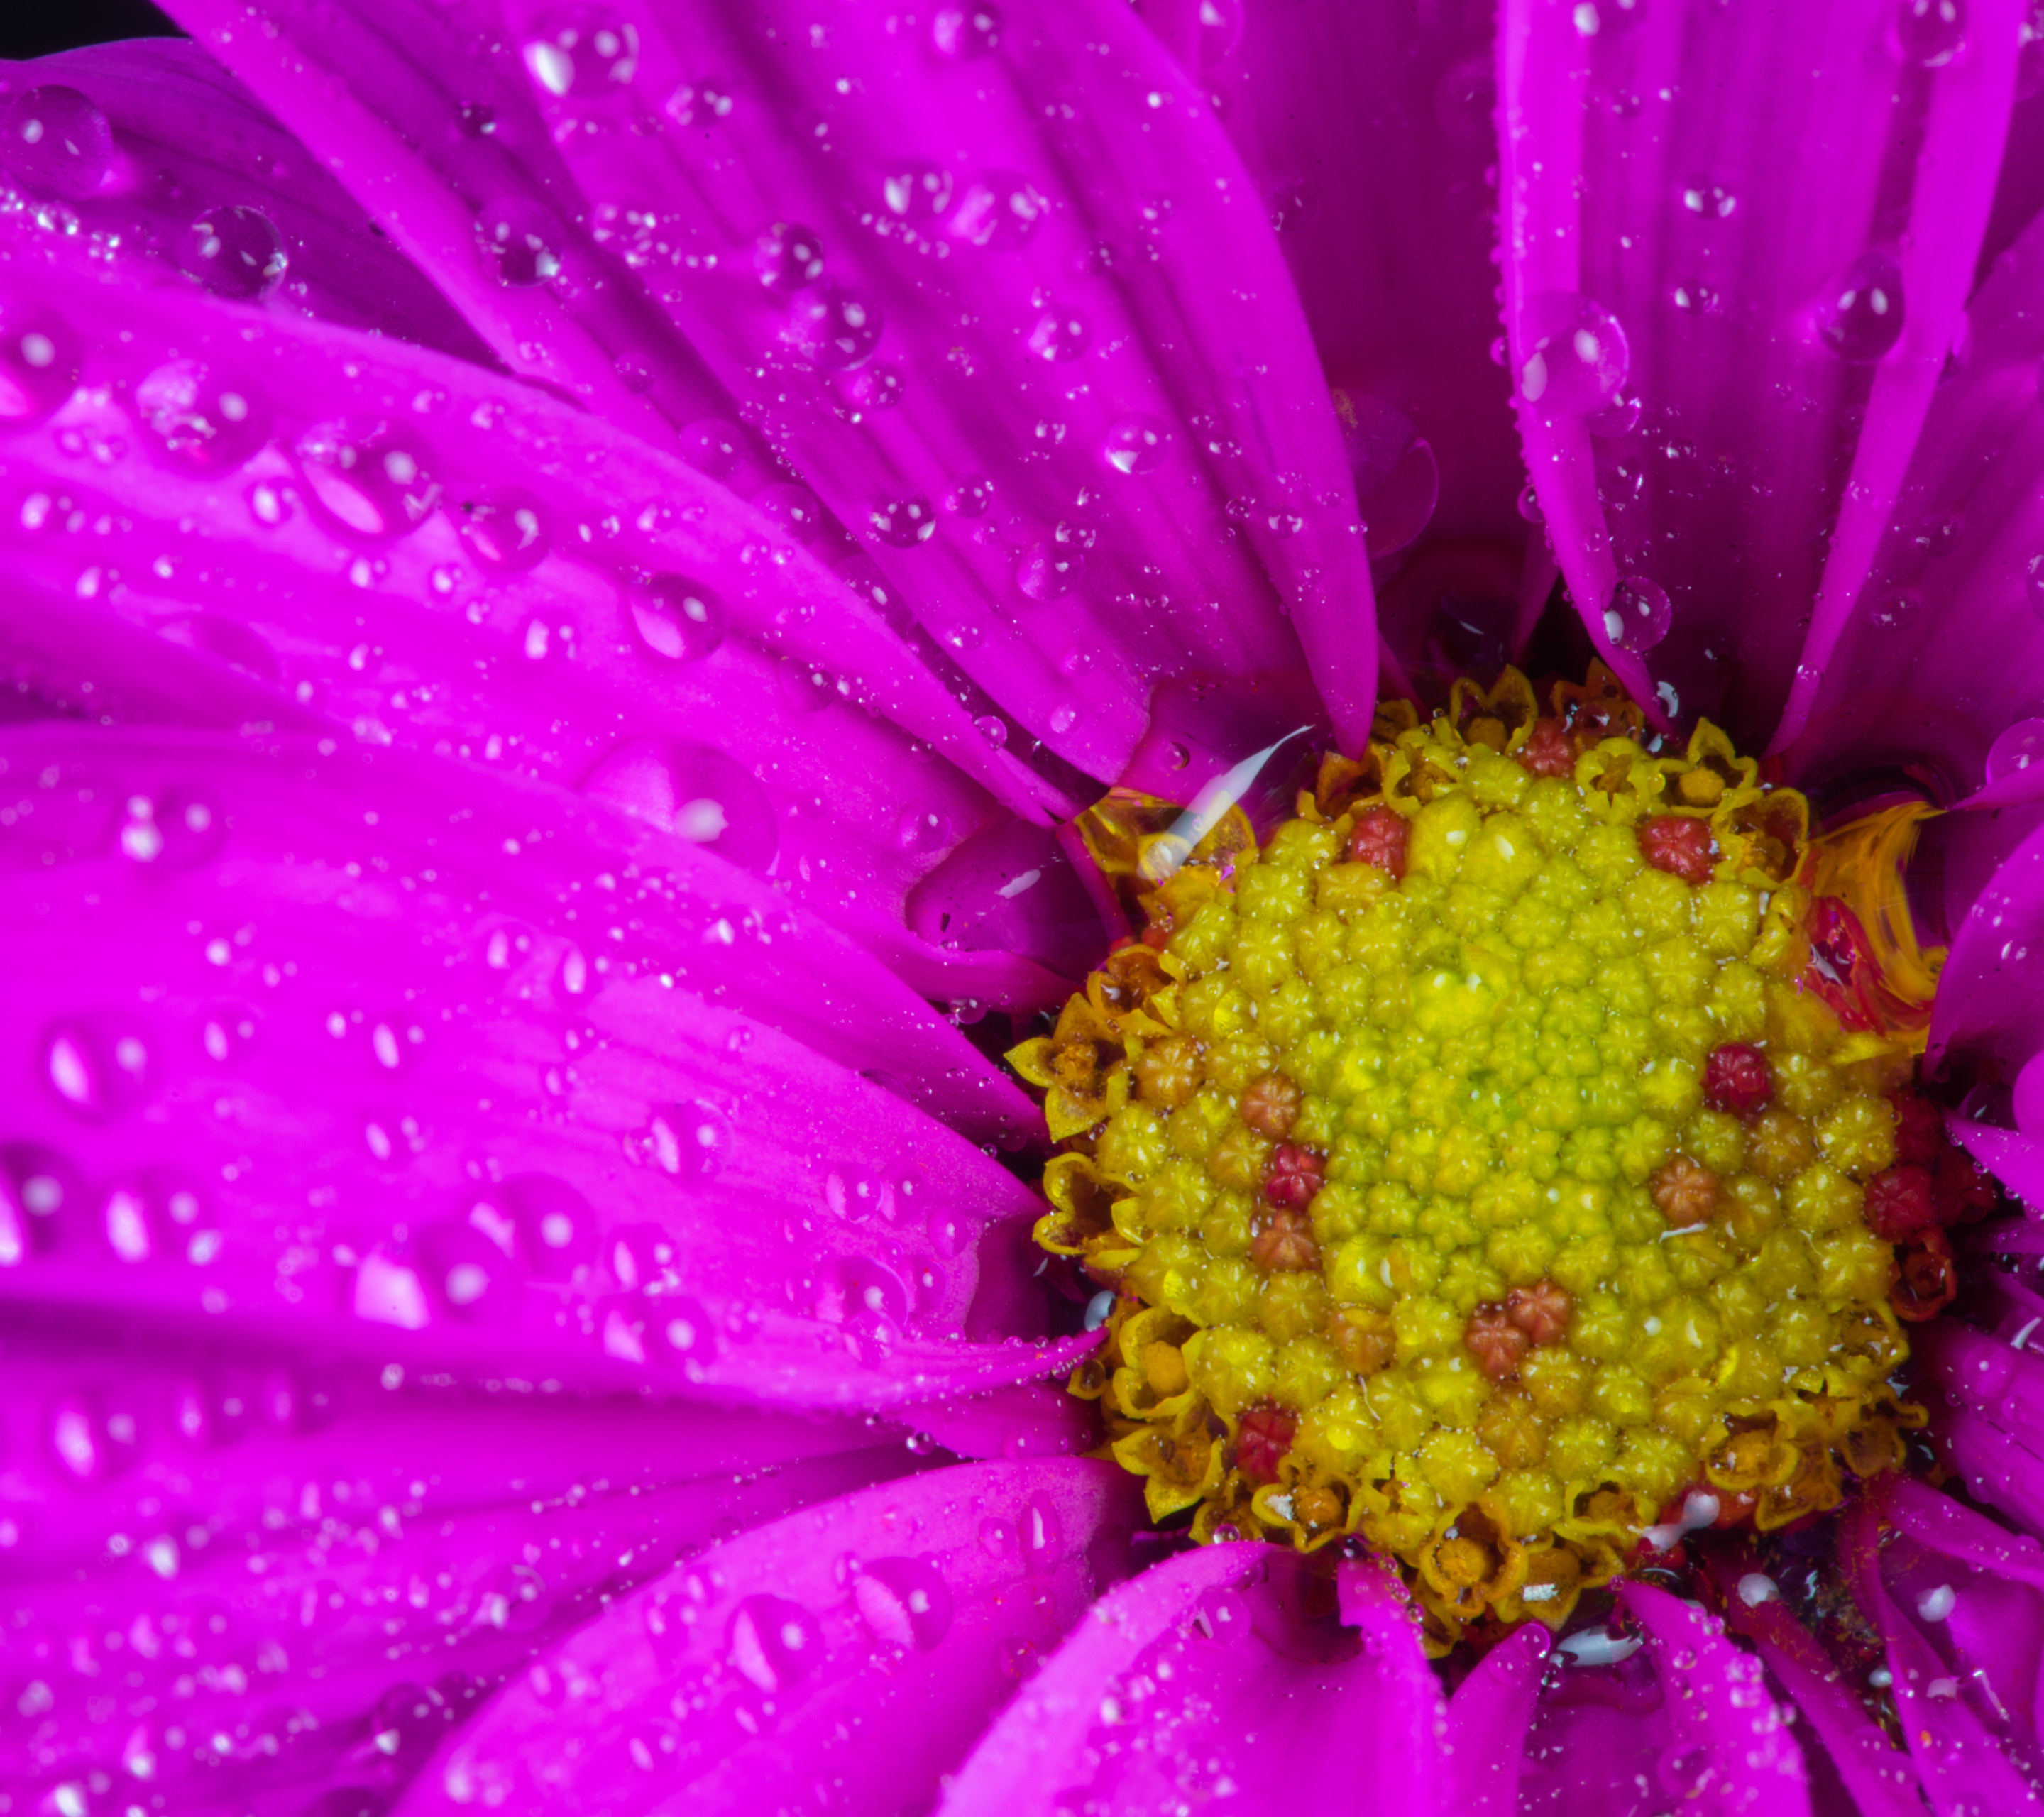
x,y
1483,1164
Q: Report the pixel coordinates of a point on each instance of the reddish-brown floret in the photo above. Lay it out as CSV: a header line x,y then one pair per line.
x,y
1919,1131
1736,1079
1679,843
1260,1442
1547,751
1271,1105
1495,1341
1541,1311
1899,1203
1380,838
1295,1174
1928,1279
1685,1191
1962,1189
1286,1245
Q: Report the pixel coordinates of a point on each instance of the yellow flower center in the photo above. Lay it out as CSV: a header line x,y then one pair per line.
x,y
1481,1164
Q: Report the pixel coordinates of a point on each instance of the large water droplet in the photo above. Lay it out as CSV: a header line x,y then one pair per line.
x,y
697,793
367,480
468,1273
585,52
98,1066
923,829
1711,200
999,209
862,1294
917,192
903,522
905,1602
773,1643
56,141
1931,32
39,362
970,30
199,419
1575,358
1048,570
1638,614
2020,747
1134,444
833,328
1059,336
555,1224
41,1197
690,1141
788,257
506,529
677,620
523,241
1861,319
236,252
713,446
1397,481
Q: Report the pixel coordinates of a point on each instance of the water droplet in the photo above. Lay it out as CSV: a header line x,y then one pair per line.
x,y
971,30
1529,505
787,257
862,1294
177,830
917,192
923,829
56,140
41,1194
200,420
794,509
505,529
991,728
1000,210
1059,335
585,53
713,447
1895,611
971,497
1397,481
100,1067
467,1273
1020,1658
1134,444
39,361
522,240
1292,206
1712,200
1605,18
693,791
831,328
1638,614
554,1224
2018,748
1576,357
367,480
690,1141
905,1602
903,522
1043,1535
1048,570
1862,317
773,1643
1931,32
236,252
2034,585
678,621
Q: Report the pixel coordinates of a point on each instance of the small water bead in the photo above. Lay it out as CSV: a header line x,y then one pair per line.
x,y
678,620
903,1602
993,728
236,252
523,241
793,509
1576,357
505,530
1135,445
1048,570
971,497
2018,748
366,478
831,327
56,140
1638,614
1059,335
99,1068
1930,33
584,53
1895,611
691,1141
199,419
787,257
1862,318
1000,210
923,830
39,365
917,192
902,523
1711,200
857,395
965,32
713,446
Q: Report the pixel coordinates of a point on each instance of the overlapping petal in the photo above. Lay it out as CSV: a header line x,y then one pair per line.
x,y
1738,248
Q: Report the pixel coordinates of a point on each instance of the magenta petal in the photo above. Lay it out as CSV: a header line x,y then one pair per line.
x,y
1990,1003
1489,1718
171,167
1727,318
1953,576
437,1067
243,1577
1211,1676
863,1645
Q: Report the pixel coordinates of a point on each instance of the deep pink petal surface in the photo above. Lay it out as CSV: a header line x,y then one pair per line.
x,y
1737,244
859,1647
1489,1718
1990,1006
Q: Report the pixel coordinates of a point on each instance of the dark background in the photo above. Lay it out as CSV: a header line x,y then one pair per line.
x,y
36,28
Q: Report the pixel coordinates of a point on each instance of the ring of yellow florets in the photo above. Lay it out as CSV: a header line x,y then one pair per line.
x,y
1476,1168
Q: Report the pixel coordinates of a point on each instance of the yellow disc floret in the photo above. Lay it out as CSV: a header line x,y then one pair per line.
x,y
1479,1162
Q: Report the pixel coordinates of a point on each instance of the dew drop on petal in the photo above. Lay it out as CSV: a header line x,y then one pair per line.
x,y
368,481
201,419
1576,357
2033,583
833,328
522,240
773,1643
696,793
39,365
713,446
585,52
1134,444
1059,335
56,141
902,523
1861,318
1638,614
999,209
903,1602
1043,1535
2019,748
923,830
1711,200
506,529
1048,570
235,251
993,728
971,497
966,31
691,1141
1930,33
791,508
917,192
1895,611
678,620
788,257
